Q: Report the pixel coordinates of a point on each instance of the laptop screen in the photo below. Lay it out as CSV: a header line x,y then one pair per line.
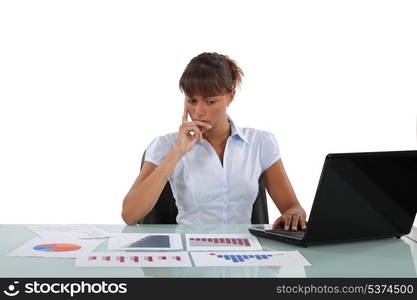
x,y
365,195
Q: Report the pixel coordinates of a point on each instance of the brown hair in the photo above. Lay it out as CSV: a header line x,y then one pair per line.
x,y
210,74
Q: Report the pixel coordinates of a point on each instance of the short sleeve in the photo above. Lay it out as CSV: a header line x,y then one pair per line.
x,y
157,150
269,150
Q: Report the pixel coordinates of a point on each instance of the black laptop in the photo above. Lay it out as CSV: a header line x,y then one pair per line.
x,y
360,196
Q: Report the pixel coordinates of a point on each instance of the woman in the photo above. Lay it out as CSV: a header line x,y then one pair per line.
x,y
213,166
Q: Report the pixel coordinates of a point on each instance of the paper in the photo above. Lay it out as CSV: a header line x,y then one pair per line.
x,y
46,247
223,242
413,234
146,241
139,259
249,259
74,231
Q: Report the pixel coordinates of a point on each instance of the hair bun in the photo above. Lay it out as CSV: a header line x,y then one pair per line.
x,y
235,70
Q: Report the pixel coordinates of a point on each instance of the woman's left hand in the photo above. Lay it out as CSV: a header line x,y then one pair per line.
x,y
292,217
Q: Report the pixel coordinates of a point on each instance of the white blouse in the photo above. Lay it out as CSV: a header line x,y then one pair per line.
x,y
207,192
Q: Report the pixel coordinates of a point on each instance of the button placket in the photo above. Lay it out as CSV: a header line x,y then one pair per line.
x,y
223,174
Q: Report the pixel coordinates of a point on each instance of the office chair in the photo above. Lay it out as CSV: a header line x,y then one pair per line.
x,y
165,211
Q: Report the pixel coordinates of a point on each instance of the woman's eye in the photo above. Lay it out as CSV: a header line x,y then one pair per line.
x,y
194,101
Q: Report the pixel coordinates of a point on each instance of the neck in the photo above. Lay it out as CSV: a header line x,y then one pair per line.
x,y
219,134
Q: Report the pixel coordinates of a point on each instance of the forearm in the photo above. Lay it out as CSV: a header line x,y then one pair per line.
x,y
141,200
286,199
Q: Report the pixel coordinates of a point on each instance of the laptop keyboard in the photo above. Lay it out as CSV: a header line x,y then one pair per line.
x,y
296,234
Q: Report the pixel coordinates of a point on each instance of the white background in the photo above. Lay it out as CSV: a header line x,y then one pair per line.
x,y
86,85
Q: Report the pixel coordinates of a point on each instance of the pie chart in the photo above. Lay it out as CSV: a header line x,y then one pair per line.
x,y
61,247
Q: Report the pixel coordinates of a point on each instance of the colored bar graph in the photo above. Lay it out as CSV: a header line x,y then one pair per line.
x,y
241,258
124,259
219,242
152,241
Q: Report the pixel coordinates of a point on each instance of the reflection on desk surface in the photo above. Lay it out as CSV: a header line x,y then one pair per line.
x,y
377,258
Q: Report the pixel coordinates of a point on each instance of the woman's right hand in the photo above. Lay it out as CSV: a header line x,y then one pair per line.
x,y
185,141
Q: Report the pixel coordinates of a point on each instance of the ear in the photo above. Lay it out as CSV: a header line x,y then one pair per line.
x,y
231,96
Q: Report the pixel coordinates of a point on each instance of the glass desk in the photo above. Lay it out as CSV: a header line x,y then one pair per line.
x,y
377,258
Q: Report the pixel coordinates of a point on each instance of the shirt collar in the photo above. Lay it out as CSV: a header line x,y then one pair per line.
x,y
236,131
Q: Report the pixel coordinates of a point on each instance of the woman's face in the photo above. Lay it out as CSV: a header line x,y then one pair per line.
x,y
211,110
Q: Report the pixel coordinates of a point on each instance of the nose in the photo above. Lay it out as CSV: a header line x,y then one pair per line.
x,y
199,110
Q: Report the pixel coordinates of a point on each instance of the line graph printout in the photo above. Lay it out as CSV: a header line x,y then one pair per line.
x,y
73,231
207,242
249,259
145,241
138,259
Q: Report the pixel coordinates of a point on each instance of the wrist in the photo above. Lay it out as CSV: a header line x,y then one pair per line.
x,y
299,208
176,153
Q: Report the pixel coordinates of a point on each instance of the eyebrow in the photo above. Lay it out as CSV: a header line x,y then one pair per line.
x,y
202,98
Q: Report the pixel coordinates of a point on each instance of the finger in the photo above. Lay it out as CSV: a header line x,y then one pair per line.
x,y
199,123
196,136
294,222
287,223
201,130
195,129
303,224
190,126
277,223
184,115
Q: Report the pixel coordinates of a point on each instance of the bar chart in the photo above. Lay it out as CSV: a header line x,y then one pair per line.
x,y
222,242
248,259
151,241
207,242
241,257
123,259
145,241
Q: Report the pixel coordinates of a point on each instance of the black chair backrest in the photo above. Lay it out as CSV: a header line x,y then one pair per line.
x,y
165,211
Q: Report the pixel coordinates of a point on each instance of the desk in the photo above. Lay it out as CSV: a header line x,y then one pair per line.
x,y
377,258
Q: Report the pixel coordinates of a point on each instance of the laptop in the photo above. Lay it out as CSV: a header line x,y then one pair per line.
x,y
360,196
